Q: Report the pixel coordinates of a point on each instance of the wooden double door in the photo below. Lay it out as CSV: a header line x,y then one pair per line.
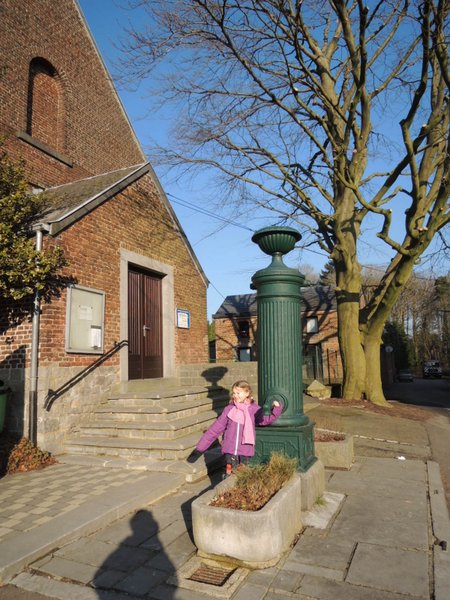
x,y
145,342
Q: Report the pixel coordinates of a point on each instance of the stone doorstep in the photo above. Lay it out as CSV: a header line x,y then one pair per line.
x,y
184,443
157,421
149,435
159,393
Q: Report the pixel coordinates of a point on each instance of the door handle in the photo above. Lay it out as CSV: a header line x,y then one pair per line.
x,y
144,329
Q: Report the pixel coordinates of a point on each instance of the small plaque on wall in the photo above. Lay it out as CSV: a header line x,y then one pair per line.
x,y
183,318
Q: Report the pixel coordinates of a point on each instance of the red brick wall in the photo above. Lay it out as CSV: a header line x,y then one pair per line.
x,y
136,221
96,136
327,336
77,114
227,337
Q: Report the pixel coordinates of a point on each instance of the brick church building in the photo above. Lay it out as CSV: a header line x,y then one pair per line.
x,y
137,306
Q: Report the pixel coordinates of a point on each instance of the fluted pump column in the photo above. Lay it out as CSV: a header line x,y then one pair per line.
x,y
280,350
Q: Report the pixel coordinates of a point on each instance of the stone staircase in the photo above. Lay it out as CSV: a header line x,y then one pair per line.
x,y
152,425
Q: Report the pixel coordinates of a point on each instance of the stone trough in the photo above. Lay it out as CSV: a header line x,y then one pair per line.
x,y
335,454
253,539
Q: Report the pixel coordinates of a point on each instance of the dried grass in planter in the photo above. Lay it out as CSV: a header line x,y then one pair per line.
x,y
256,485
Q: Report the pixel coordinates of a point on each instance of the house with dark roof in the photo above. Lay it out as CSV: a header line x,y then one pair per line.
x,y
136,306
236,326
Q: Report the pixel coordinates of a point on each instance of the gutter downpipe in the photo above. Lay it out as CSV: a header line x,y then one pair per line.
x,y
34,360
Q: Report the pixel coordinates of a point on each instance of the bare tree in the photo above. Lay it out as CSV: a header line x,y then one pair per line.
x,y
310,274
331,113
422,309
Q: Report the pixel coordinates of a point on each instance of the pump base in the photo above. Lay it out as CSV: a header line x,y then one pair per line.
x,y
294,442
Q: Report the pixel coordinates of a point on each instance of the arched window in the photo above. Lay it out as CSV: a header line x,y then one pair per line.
x,y
45,104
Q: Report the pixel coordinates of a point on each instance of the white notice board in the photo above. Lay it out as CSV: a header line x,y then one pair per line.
x,y
85,320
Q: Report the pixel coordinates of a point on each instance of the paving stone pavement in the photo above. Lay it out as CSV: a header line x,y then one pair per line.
x,y
379,546
130,537
61,503
28,502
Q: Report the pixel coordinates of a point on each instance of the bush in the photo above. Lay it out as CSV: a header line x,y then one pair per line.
x,y
256,485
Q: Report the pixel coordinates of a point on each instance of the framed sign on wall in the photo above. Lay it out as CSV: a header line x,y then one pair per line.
x,y
183,318
85,320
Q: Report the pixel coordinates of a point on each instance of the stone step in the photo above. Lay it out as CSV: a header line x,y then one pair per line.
x,y
208,462
153,395
163,409
153,422
137,386
173,428
159,449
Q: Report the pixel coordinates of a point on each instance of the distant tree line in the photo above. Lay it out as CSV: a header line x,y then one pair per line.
x,y
418,328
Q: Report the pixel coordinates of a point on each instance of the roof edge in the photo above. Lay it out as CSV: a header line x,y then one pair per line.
x,y
57,225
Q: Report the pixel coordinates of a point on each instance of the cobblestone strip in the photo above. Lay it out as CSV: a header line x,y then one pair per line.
x,y
28,500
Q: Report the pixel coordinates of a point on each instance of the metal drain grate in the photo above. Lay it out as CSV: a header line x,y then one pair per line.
x,y
211,575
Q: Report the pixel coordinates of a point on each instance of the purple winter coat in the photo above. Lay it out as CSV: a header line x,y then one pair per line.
x,y
232,431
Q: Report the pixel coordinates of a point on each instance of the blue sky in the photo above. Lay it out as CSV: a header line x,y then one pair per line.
x,y
226,252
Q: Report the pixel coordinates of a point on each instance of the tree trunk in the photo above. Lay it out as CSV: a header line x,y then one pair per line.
x,y
373,384
348,292
352,354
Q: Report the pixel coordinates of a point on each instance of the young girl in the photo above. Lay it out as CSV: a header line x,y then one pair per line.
x,y
237,423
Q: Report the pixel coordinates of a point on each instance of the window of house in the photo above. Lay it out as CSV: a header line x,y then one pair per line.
x,y
312,325
244,328
245,354
45,104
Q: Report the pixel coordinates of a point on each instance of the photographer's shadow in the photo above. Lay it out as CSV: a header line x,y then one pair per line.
x,y
130,569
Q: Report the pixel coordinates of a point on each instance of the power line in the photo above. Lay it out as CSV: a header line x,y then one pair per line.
x,y
218,291
205,212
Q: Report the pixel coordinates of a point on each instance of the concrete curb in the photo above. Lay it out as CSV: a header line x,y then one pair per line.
x,y
441,530
25,547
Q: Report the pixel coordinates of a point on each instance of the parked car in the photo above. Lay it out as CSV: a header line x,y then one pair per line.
x,y
432,368
405,375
